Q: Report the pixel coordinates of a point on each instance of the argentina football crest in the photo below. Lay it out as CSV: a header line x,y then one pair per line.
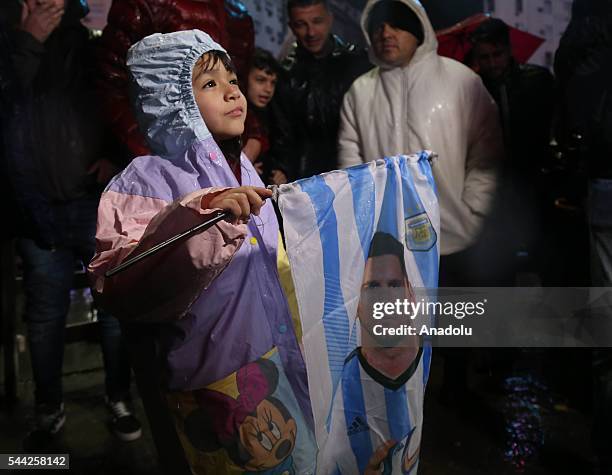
x,y
420,233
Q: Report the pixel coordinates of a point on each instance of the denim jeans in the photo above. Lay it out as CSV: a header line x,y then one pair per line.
x,y
48,279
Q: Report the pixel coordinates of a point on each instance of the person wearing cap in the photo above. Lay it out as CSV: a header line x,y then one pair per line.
x,y
415,100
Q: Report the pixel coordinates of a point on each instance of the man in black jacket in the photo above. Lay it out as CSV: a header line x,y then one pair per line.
x,y
524,96
319,70
56,164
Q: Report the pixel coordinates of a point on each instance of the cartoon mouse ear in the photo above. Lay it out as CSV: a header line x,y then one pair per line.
x,y
270,371
199,430
257,380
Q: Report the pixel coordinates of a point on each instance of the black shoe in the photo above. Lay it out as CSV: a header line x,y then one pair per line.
x,y
124,424
49,420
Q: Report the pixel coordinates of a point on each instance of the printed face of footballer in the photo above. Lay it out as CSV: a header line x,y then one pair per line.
x,y
383,276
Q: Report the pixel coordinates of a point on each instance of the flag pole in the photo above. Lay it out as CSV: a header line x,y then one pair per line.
x,y
178,237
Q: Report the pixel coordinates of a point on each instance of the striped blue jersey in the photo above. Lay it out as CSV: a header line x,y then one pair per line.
x,y
369,409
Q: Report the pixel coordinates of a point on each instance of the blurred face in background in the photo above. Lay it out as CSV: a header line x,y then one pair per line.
x,y
311,26
393,46
491,60
261,87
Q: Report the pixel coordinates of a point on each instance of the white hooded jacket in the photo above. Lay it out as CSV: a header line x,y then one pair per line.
x,y
433,103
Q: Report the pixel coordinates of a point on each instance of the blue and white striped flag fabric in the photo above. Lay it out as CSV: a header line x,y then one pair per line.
x,y
330,221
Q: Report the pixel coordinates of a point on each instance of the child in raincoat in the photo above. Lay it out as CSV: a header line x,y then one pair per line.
x,y
235,377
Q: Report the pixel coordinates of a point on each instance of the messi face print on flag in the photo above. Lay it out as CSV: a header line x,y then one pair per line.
x,y
354,236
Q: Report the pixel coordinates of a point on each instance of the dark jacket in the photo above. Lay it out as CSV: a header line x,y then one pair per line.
x,y
583,65
305,138
227,22
257,125
10,122
53,135
525,100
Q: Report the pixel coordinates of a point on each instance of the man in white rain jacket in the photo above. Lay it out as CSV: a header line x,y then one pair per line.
x,y
416,100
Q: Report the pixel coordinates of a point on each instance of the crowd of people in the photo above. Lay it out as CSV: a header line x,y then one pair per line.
x,y
178,105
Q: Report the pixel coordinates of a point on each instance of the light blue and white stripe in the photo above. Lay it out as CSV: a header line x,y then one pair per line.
x,y
329,222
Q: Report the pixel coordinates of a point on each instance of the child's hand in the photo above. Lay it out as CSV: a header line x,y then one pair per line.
x,y
278,177
241,202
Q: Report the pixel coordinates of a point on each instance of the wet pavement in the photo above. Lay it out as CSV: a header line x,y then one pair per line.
x,y
474,437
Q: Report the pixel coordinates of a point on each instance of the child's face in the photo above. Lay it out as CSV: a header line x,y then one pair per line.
x,y
221,104
261,87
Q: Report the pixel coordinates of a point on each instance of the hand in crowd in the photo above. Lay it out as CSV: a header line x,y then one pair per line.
x,y
278,177
104,171
374,466
252,149
241,202
41,17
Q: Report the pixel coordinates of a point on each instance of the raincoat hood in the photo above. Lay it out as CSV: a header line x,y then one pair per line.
x,y
161,66
427,48
433,103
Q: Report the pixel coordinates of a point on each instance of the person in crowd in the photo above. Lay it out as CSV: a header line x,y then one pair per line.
x,y
262,78
320,68
417,100
524,212
407,103
227,21
583,67
524,96
57,165
234,375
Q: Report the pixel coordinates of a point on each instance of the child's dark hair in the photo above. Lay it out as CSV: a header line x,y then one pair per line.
x,y
263,59
210,59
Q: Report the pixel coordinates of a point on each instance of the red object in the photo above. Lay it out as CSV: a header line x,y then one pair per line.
x,y
130,21
254,128
255,382
454,42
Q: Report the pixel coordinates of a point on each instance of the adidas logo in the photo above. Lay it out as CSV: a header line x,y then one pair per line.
x,y
358,425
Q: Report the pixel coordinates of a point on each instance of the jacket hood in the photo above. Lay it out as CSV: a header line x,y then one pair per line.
x,y
430,42
161,66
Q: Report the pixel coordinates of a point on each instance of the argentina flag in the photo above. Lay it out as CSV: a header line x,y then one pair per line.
x,y
348,231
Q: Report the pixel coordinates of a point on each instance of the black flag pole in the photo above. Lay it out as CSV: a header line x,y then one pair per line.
x,y
221,215
178,237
